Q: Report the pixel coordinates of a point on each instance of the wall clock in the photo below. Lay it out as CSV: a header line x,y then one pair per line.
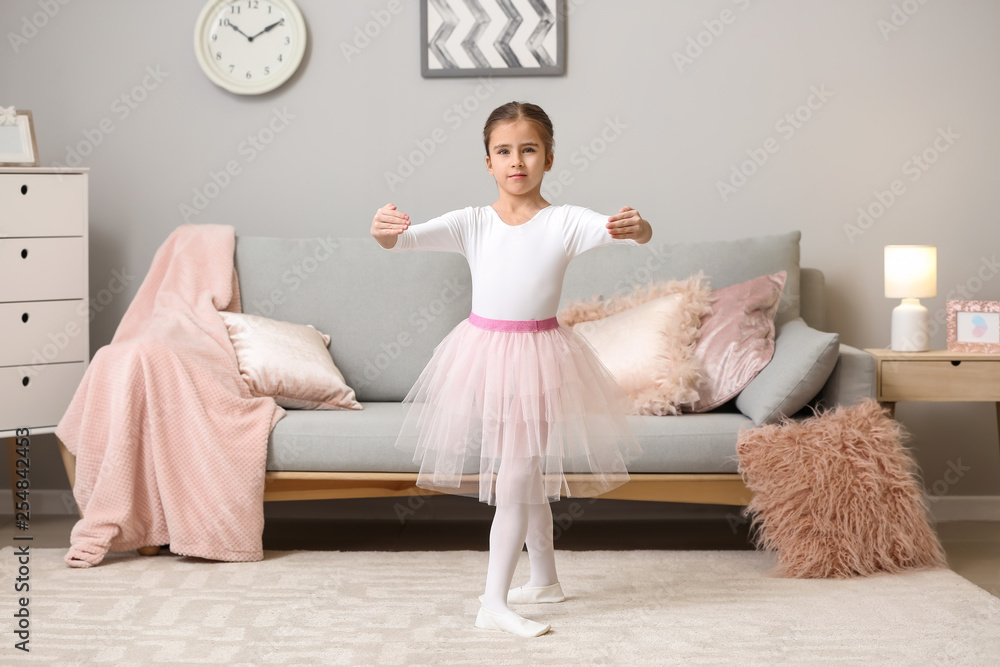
x,y
249,47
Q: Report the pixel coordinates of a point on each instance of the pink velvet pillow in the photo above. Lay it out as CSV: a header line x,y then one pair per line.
x,y
737,339
289,362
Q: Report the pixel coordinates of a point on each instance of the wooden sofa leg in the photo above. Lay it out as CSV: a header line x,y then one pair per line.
x,y
69,462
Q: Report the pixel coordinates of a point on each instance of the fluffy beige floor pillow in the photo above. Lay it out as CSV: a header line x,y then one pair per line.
x,y
837,495
647,338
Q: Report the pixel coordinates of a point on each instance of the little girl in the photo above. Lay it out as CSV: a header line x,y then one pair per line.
x,y
513,407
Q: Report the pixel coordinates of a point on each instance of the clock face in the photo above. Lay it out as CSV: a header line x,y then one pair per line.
x,y
250,46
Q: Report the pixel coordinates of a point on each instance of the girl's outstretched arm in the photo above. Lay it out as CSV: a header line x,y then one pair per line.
x,y
387,224
445,233
628,224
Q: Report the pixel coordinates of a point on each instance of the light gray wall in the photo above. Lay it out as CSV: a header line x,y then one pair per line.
x,y
680,131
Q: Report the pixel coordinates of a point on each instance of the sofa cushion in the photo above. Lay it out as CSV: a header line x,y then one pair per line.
x,y
803,360
361,441
852,380
617,269
691,443
384,312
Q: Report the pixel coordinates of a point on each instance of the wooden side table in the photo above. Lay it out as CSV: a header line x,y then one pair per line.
x,y
936,375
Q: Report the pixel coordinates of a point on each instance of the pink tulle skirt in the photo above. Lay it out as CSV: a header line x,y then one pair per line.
x,y
513,411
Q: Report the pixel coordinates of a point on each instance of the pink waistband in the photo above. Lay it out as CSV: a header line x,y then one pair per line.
x,y
513,325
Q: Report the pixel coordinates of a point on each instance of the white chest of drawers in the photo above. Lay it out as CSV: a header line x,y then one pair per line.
x,y
44,304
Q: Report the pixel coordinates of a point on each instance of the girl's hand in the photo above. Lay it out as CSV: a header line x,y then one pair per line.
x,y
389,223
628,224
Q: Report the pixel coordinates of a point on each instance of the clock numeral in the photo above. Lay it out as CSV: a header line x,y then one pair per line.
x,y
218,55
288,40
252,4
215,36
231,67
281,58
224,23
234,9
267,70
248,74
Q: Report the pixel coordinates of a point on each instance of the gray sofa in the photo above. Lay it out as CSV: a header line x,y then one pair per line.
x,y
385,312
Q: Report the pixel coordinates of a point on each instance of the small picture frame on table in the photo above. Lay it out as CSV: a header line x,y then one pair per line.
x,y
17,139
974,326
486,38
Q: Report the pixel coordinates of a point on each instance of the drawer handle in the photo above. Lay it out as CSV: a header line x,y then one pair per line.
x,y
24,189
24,253
25,380
956,362
24,317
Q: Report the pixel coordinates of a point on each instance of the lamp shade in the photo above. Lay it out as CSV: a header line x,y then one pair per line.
x,y
910,271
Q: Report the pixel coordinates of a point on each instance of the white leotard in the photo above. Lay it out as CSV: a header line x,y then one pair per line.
x,y
517,270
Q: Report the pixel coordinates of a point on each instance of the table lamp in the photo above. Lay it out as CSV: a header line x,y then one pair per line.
x,y
910,275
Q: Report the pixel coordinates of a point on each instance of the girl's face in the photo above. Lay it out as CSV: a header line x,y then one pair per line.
x,y
517,158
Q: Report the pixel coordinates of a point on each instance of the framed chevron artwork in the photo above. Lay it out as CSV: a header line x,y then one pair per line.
x,y
492,38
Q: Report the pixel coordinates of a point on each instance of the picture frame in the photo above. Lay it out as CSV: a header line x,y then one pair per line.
x,y
17,142
974,326
501,40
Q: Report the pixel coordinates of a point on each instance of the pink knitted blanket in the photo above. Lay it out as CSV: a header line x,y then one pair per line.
x,y
170,446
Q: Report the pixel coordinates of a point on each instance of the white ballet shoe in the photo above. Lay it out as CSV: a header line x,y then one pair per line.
x,y
526,595
511,622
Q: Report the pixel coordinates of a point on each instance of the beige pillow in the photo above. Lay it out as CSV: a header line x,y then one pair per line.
x,y
649,349
289,362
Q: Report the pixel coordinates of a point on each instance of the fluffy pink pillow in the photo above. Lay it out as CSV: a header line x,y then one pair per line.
x,y
646,339
737,339
837,495
648,350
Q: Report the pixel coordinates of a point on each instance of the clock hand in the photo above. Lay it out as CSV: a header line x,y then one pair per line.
x,y
270,27
233,26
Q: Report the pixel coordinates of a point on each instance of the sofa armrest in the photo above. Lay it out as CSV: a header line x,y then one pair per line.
x,y
852,379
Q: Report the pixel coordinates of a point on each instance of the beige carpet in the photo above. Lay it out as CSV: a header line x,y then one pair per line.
x,y
405,608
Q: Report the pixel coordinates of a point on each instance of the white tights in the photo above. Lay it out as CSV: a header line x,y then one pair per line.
x,y
515,525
